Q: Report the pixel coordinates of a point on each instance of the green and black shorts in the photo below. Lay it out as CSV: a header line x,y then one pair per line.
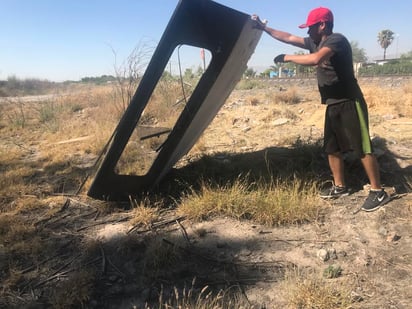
x,y
347,128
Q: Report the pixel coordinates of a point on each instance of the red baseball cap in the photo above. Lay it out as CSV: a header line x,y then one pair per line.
x,y
318,15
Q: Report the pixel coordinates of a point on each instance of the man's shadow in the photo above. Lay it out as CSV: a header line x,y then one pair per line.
x,y
305,161
394,166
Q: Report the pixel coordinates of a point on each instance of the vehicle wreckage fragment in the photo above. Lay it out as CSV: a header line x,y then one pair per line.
x,y
231,37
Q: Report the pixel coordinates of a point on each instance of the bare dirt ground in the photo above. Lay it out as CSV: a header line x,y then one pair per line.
x,y
373,250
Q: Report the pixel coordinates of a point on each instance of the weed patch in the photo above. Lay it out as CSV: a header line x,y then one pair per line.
x,y
276,203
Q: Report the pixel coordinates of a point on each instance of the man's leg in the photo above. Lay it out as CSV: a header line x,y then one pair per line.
x,y
338,189
371,167
336,165
377,196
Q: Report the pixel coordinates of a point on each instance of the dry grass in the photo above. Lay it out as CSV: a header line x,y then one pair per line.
x,y
289,96
191,298
307,290
386,100
159,258
75,291
277,203
143,212
43,152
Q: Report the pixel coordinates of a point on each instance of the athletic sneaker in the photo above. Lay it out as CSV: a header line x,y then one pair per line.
x,y
375,200
334,192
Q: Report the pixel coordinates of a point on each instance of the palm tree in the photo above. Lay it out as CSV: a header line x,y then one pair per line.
x,y
385,38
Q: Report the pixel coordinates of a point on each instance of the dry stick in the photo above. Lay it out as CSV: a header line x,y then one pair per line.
x,y
50,218
33,296
134,227
27,269
246,281
397,265
23,147
96,216
357,210
304,240
82,184
64,207
166,222
279,264
115,268
81,203
65,265
184,232
132,201
240,285
73,218
93,212
156,224
103,259
56,272
63,194
103,222
63,273
52,277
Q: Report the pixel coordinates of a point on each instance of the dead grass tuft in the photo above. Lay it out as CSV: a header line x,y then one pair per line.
x,y
143,213
387,101
192,298
160,257
279,203
307,290
290,96
74,291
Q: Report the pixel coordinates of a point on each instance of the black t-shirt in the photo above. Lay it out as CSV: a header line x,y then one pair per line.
x,y
336,78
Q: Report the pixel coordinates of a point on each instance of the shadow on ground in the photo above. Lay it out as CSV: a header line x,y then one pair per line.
x,y
63,264
305,161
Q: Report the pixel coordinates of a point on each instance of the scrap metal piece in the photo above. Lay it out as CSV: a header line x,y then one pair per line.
x,y
231,37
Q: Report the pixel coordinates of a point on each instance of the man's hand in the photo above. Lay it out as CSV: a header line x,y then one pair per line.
x,y
259,23
279,59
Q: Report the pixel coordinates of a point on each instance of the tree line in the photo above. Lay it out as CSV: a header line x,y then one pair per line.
x,y
14,86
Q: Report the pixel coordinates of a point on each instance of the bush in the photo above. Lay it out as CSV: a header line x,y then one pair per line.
x,y
389,68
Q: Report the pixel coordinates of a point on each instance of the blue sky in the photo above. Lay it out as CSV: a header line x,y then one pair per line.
x,y
70,39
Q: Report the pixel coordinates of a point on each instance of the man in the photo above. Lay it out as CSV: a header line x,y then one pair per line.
x,y
346,118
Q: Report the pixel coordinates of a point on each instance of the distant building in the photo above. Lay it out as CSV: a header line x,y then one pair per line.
x,y
383,61
282,73
273,74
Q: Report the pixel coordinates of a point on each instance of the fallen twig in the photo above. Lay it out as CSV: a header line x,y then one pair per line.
x,y
27,269
65,205
115,268
46,220
103,222
186,237
56,273
63,273
156,224
103,259
81,203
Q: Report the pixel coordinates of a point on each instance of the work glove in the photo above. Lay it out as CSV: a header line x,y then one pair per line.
x,y
260,24
279,59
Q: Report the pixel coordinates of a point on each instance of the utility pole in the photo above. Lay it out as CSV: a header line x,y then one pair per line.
x,y
397,44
